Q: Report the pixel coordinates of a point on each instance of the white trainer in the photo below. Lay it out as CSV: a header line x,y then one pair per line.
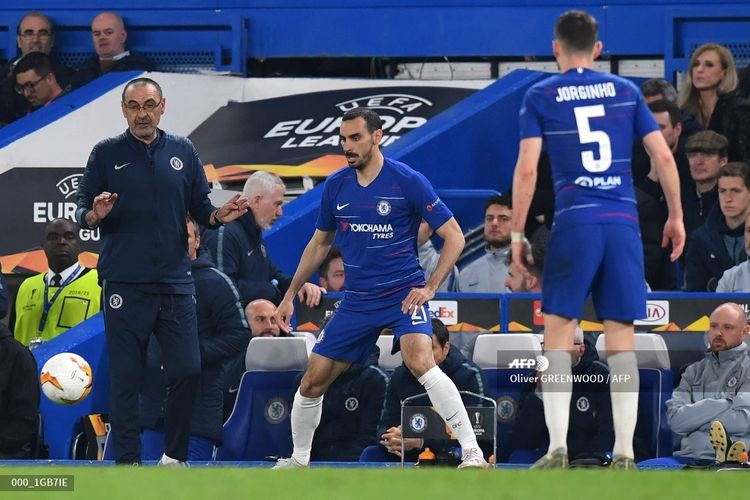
x,y
473,459
289,463
175,464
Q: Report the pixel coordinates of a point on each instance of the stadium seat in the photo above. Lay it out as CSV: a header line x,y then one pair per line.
x,y
495,353
653,437
388,361
259,425
309,339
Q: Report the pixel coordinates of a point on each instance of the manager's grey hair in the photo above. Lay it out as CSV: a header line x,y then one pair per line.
x,y
262,183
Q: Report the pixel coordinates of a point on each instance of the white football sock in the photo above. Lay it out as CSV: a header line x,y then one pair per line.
x,y
623,386
447,401
305,419
556,394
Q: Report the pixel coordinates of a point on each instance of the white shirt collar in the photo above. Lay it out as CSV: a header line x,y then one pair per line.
x,y
117,57
65,274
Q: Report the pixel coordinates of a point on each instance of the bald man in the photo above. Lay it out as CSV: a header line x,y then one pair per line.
x,y
109,35
711,407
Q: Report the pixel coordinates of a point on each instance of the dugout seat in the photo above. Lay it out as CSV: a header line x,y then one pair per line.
x,y
495,353
259,425
653,437
386,360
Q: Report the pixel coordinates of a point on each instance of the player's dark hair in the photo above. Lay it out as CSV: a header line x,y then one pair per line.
x,y
139,82
663,105
333,253
40,62
504,200
371,118
440,331
577,31
736,169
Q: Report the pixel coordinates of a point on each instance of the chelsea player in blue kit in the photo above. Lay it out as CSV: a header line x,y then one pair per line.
x,y
586,120
376,206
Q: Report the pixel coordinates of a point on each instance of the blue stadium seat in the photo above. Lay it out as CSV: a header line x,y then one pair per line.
x,y
259,425
494,353
653,437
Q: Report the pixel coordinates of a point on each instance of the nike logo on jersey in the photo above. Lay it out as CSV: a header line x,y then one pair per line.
x,y
341,207
118,167
250,253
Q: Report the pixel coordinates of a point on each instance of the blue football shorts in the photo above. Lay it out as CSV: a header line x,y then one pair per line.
x,y
353,330
605,260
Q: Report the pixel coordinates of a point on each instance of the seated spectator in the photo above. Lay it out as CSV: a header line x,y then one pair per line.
x,y
707,153
262,323
737,278
331,271
488,272
717,388
222,335
19,398
429,256
109,36
4,302
35,33
709,96
591,431
464,373
36,81
351,413
243,256
50,303
719,244
657,89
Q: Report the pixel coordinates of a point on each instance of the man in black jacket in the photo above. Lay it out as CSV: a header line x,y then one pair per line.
x,y
19,397
239,251
465,374
222,334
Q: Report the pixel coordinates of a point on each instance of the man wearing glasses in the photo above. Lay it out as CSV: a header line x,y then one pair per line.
x,y
139,187
35,33
36,80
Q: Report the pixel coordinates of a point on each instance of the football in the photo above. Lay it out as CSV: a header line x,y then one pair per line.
x,y
66,378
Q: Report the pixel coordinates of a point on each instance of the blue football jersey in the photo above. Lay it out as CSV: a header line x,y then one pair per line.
x,y
588,121
377,226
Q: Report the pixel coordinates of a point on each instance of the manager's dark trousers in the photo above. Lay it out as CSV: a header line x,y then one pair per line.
x,y
130,315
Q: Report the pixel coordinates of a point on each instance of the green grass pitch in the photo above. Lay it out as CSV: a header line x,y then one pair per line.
x,y
219,483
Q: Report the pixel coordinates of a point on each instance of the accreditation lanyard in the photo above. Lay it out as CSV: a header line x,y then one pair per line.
x,y
48,303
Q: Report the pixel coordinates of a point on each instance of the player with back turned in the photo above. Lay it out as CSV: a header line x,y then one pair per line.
x,y
586,121
376,205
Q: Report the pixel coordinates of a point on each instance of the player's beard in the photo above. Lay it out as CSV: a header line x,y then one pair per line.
x,y
363,160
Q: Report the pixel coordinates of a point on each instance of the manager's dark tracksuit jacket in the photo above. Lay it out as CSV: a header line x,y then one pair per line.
x,y
222,333
239,252
464,373
146,276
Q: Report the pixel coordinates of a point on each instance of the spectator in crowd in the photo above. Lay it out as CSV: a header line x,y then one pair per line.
x,y
4,302
109,36
222,335
243,256
657,89
138,187
591,431
737,278
488,272
36,81
35,33
707,153
719,244
714,389
708,95
262,323
331,271
19,398
464,373
52,302
351,412
530,280
429,256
